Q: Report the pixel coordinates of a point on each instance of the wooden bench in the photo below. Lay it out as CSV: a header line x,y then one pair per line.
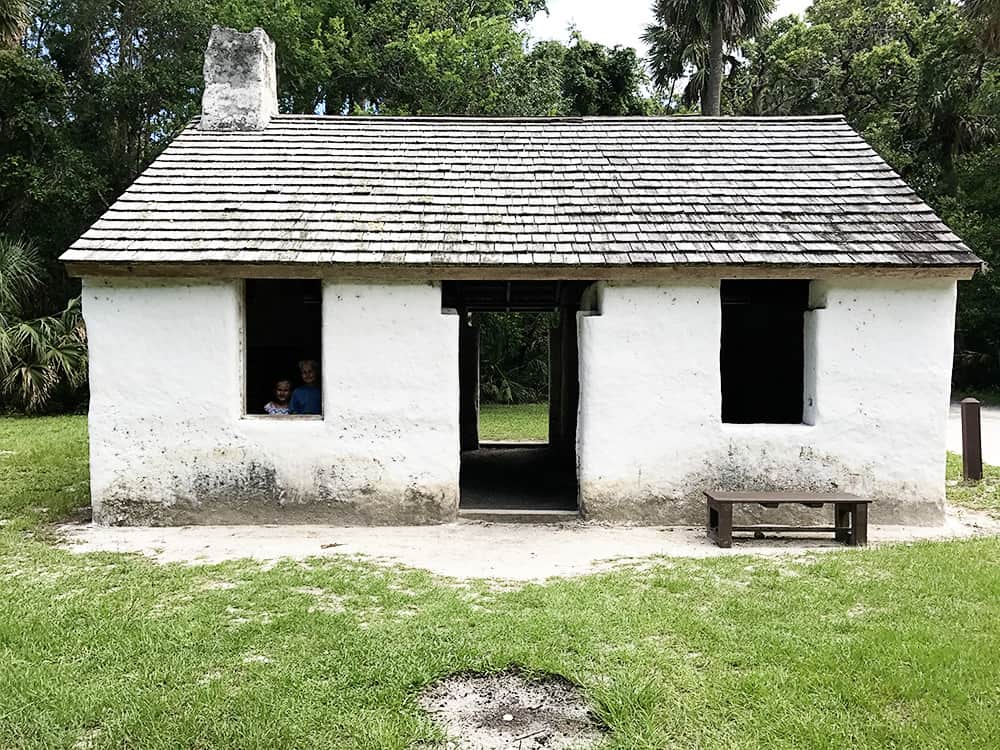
x,y
850,514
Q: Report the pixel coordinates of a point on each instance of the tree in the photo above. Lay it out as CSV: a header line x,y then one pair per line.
x,y
683,24
514,357
49,187
913,77
92,91
41,358
15,15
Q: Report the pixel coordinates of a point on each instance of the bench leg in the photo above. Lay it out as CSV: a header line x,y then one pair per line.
x,y
720,524
859,525
842,520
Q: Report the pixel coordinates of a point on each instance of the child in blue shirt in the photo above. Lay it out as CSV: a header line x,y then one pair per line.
x,y
307,398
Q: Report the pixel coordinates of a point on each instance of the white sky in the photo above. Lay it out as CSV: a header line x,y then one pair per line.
x,y
621,22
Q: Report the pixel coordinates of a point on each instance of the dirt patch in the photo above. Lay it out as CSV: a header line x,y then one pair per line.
x,y
513,711
517,552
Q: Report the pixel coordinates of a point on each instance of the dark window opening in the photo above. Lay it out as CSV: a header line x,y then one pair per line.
x,y
762,357
283,346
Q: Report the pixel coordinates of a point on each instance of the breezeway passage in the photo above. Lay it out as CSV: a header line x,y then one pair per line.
x,y
515,552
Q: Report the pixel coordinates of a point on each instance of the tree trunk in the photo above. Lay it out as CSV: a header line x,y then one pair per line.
x,y
712,105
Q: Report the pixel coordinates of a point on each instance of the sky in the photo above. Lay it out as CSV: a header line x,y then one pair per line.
x,y
621,22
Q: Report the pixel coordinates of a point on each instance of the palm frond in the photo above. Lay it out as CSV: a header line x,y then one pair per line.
x,y
20,276
42,357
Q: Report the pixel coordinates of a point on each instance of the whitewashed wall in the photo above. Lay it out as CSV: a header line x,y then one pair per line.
x,y
169,443
650,437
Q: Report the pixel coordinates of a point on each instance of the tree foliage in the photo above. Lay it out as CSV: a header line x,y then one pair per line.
x,y
91,91
916,79
514,357
97,89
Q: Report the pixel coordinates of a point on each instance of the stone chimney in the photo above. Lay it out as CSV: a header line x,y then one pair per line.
x,y
241,86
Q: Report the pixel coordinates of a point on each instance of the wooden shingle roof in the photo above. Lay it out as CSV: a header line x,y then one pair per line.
x,y
523,192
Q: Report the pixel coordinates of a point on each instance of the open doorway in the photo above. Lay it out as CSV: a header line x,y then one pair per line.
x,y
519,393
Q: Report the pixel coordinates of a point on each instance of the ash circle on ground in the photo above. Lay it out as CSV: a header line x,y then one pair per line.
x,y
512,710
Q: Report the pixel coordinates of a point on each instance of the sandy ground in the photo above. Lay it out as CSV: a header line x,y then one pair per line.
x,y
508,711
468,549
989,420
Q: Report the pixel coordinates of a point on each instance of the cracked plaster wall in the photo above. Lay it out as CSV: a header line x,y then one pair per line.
x,y
877,387
169,443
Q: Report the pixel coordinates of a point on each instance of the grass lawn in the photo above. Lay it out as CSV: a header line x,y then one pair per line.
x,y
514,422
984,495
883,648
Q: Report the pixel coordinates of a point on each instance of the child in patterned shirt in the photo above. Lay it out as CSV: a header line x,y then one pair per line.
x,y
279,404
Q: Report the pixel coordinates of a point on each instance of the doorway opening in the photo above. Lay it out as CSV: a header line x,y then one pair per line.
x,y
519,391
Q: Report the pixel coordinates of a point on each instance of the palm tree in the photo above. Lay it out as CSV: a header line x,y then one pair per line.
x,y
987,11
40,357
15,15
681,25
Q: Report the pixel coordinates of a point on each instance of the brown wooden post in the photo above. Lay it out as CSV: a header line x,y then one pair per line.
x,y
972,440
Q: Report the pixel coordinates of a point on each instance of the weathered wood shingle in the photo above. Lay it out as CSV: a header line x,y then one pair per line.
x,y
459,191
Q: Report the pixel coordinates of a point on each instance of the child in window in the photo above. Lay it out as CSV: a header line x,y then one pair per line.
x,y
279,404
307,399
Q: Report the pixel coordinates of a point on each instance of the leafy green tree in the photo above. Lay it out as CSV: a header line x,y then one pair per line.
x,y
133,69
49,186
785,69
390,56
93,91
600,80
682,25
915,79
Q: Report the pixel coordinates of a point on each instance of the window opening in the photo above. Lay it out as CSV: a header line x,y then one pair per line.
x,y
762,350
283,346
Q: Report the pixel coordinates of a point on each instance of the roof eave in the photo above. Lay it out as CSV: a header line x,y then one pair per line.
x,y
565,271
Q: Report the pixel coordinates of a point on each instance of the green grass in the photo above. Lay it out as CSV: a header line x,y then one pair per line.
x,y
514,422
43,469
983,495
884,648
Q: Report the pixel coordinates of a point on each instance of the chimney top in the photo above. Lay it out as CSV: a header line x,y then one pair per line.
x,y
241,88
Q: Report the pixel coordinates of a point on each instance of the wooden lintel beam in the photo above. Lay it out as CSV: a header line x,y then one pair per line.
x,y
563,272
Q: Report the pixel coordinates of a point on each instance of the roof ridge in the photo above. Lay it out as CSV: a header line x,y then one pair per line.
x,y
594,120
562,118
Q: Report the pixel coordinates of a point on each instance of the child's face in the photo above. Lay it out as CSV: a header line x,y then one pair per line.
x,y
308,374
283,390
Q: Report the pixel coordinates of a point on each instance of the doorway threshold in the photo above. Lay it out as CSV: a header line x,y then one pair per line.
x,y
513,443
517,477
518,515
